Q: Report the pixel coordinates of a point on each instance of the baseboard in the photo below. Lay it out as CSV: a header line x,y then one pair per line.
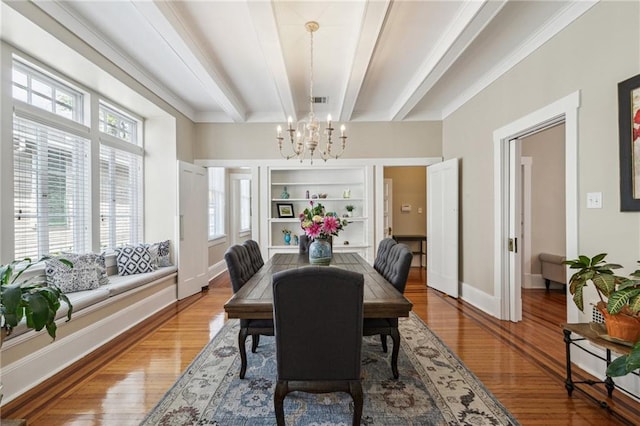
x,y
31,370
217,269
481,300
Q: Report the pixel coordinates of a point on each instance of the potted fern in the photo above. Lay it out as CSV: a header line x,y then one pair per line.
x,y
621,308
31,298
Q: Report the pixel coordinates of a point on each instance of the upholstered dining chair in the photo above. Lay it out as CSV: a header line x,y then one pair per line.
x,y
383,253
241,269
317,314
394,269
303,244
254,254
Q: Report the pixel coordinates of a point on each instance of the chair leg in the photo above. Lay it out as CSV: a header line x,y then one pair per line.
x,y
355,389
383,339
546,283
255,341
242,337
282,388
395,336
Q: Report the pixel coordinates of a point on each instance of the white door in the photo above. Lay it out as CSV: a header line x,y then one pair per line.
x,y
193,248
387,215
442,226
515,231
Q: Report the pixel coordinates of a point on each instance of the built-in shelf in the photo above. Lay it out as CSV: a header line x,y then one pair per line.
x,y
343,186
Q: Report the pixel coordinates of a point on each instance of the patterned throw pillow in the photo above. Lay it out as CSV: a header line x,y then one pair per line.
x,y
83,275
164,258
101,269
134,260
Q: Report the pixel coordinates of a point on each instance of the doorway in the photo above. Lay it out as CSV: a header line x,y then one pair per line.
x,y
507,202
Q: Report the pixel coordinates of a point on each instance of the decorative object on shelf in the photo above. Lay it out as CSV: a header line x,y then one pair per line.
x,y
285,210
346,193
320,226
322,195
296,240
350,208
305,137
621,310
306,194
287,236
314,196
285,194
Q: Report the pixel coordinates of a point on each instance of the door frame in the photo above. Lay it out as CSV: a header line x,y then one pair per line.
x,y
563,109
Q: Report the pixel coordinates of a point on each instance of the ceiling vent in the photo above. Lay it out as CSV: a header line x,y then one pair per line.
x,y
319,99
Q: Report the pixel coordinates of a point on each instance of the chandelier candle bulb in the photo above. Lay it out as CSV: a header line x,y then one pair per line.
x,y
342,129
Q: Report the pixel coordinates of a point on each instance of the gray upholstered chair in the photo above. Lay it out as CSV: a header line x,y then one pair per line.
x,y
383,253
395,269
303,244
241,269
254,254
317,314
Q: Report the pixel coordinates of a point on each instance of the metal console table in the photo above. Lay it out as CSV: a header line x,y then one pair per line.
x,y
590,332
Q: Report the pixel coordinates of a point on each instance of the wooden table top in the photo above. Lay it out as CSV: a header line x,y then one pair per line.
x,y
255,298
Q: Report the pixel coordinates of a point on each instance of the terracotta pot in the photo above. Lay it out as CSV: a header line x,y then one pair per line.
x,y
621,326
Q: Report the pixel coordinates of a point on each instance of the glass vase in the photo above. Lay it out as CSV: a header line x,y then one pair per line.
x,y
320,252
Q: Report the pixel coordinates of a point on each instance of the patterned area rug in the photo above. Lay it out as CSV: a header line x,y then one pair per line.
x,y
434,387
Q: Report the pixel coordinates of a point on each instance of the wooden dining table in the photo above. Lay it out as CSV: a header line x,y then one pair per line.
x,y
255,299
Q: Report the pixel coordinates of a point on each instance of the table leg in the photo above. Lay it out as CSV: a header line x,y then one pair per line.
x,y
568,383
608,382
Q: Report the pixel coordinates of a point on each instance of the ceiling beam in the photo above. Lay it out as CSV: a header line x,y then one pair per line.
x,y
266,27
374,15
472,18
164,19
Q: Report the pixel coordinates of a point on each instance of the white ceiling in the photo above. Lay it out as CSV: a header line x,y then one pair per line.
x,y
248,61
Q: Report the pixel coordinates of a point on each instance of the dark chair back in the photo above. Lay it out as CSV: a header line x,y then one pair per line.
x,y
254,254
397,266
318,323
239,266
303,244
383,252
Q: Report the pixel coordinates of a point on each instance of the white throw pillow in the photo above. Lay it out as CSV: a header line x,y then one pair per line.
x,y
83,275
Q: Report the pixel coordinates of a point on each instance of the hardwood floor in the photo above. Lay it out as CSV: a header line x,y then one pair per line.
x,y
522,364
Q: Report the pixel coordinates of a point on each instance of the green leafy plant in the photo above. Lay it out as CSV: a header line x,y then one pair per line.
x,y
30,298
349,207
622,294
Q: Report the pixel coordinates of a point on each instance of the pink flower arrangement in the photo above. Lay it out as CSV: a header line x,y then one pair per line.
x,y
318,224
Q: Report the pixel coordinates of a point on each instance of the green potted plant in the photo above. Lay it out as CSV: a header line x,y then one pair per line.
x,y
350,208
621,308
31,298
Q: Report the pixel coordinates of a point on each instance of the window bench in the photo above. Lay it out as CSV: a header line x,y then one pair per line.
x,y
99,315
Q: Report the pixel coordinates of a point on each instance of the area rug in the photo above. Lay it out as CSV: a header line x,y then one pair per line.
x,y
434,388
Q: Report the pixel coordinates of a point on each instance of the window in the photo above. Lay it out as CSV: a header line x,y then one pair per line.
x,y
51,195
53,191
245,205
216,202
121,179
117,124
120,198
35,88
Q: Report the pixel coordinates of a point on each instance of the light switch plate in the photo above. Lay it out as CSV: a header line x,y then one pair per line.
x,y
594,200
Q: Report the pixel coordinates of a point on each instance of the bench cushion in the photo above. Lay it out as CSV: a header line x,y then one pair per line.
x,y
121,283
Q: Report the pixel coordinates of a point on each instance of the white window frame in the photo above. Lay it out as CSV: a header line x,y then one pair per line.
x,y
217,185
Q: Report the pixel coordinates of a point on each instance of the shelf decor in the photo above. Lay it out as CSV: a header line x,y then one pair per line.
x,y
285,210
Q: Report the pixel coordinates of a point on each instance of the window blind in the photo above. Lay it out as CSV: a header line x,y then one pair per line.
x,y
120,197
216,201
51,190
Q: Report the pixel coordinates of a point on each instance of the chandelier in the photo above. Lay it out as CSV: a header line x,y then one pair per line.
x,y
305,136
